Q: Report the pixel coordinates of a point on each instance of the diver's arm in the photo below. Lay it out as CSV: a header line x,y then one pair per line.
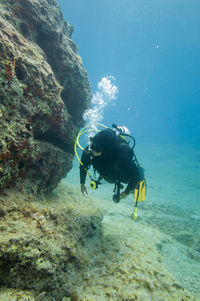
x,y
84,190
86,161
83,174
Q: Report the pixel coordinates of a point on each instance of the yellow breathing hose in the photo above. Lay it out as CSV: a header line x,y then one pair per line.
x,y
83,131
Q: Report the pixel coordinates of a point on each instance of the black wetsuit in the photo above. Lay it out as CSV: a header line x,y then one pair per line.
x,y
115,164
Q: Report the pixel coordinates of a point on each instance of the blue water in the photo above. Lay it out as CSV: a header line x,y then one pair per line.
x,y
152,48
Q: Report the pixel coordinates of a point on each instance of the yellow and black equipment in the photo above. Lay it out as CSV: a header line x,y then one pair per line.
x,y
139,196
87,129
140,190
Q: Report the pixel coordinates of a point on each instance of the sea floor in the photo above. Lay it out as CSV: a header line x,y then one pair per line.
x,y
172,208
156,257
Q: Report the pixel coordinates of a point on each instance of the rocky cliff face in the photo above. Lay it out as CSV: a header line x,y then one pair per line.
x,y
44,91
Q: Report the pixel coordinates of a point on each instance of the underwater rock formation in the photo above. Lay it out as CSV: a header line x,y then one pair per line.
x,y
62,250
42,243
44,91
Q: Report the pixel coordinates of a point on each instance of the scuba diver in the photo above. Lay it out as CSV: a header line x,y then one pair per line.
x,y
112,157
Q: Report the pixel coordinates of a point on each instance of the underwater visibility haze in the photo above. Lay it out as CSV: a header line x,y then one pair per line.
x,y
149,52
152,49
146,56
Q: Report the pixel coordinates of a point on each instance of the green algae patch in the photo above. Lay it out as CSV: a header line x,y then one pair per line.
x,y
15,295
42,240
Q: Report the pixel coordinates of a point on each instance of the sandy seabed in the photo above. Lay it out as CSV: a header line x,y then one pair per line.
x,y
155,258
169,220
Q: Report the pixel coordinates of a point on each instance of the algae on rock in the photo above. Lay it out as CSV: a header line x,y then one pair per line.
x,y
44,91
42,242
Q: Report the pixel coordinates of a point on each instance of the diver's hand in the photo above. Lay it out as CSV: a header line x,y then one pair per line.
x,y
84,190
123,195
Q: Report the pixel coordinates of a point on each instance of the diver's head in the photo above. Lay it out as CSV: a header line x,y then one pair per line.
x,y
95,149
103,142
97,144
